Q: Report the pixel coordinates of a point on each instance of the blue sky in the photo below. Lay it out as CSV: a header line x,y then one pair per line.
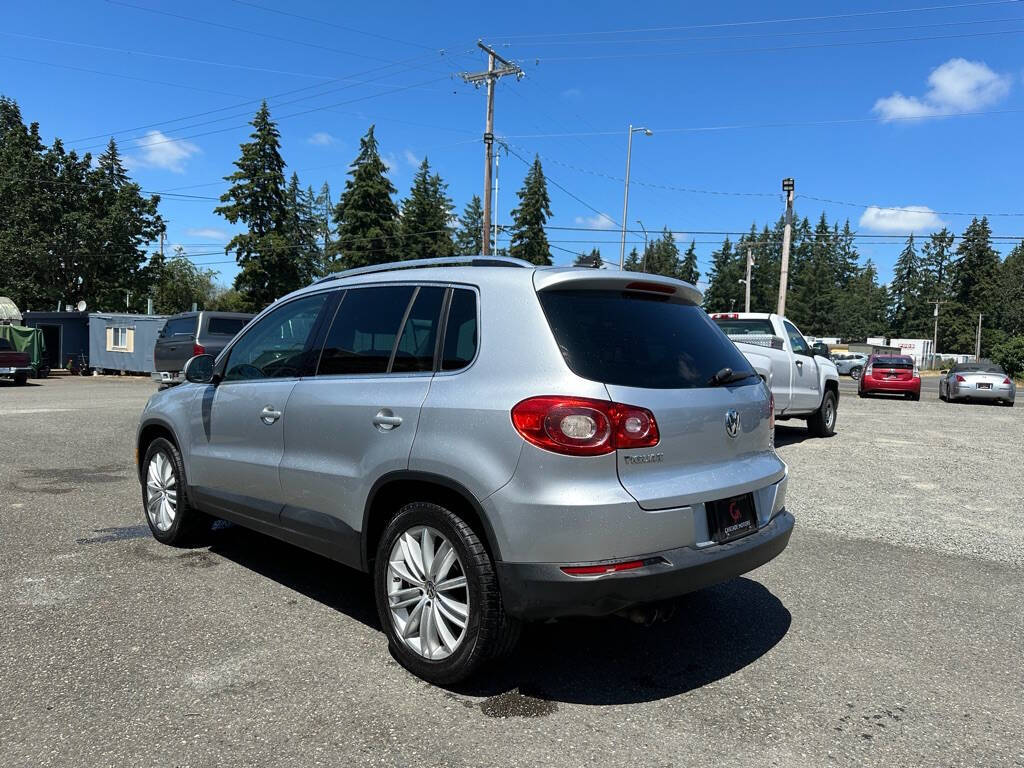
x,y
738,95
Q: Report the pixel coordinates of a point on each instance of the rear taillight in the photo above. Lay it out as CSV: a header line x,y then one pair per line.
x,y
1006,380
960,378
917,372
580,426
868,371
198,349
771,419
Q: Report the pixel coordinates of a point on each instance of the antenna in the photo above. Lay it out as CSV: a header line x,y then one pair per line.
x,y
81,306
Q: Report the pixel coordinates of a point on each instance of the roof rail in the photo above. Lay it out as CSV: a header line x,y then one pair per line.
x,y
447,261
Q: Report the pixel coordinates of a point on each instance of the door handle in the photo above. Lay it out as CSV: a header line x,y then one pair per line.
x,y
385,420
799,363
269,415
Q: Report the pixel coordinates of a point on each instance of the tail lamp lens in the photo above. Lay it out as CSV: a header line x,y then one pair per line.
x,y
960,378
579,426
1006,380
868,371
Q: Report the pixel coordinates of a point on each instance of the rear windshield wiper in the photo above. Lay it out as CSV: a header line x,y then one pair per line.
x,y
728,376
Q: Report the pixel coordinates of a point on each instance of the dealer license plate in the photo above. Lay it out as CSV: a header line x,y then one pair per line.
x,y
731,518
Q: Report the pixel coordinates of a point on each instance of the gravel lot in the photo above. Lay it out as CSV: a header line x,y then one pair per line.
x,y
889,633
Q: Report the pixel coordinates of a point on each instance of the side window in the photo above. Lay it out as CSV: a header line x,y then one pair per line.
x,y
363,332
460,333
275,347
797,340
415,350
180,326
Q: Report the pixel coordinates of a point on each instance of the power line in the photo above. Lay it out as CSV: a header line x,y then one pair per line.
x,y
789,20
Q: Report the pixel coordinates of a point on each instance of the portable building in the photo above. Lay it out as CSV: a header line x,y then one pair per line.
x,y
920,349
123,342
66,335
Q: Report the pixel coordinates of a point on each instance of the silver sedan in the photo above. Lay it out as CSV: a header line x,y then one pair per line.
x,y
977,381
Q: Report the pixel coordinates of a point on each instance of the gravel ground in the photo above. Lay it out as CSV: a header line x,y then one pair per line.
x,y
889,633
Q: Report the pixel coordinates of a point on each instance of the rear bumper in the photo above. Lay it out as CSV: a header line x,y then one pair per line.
x,y
912,386
962,393
13,370
167,377
541,590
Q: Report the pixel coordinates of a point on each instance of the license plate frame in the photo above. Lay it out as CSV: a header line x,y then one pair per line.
x,y
984,385
731,518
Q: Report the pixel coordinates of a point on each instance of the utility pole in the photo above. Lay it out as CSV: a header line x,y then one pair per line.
x,y
787,234
750,263
490,77
497,214
977,344
935,331
625,195
161,245
644,267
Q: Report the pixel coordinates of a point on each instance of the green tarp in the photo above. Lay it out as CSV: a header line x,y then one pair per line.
x,y
27,340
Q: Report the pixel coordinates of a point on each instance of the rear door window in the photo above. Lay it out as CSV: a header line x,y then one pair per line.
x,y
362,336
418,342
748,327
636,340
460,336
179,326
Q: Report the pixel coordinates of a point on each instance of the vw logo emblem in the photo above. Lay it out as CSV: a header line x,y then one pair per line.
x,y
732,422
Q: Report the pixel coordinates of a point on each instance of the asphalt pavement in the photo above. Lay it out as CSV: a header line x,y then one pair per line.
x,y
889,633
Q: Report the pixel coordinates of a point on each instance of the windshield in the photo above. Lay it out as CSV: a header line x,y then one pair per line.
x,y
636,340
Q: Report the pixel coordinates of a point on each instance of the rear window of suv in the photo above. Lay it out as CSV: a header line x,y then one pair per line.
x,y
225,326
635,340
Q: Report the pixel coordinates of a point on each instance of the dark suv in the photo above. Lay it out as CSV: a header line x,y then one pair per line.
x,y
193,333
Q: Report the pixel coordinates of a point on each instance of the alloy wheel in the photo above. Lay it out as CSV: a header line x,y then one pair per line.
x,y
428,596
161,492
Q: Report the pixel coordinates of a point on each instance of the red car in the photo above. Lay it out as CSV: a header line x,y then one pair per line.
x,y
890,374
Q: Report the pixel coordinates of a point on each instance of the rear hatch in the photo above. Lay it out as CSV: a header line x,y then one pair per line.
x,y
984,380
652,346
892,369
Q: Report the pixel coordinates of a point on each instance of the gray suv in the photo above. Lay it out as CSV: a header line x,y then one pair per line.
x,y
494,442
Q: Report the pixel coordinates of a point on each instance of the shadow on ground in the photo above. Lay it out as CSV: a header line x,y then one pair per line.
x,y
715,632
786,435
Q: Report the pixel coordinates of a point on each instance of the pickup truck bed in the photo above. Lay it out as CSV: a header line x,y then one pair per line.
x,y
14,365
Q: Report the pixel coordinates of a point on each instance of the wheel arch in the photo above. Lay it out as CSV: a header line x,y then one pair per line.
x,y
394,489
149,431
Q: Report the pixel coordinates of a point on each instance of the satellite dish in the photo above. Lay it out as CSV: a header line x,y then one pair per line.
x,y
81,306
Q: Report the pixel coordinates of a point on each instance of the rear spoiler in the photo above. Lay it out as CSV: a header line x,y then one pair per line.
x,y
599,279
757,339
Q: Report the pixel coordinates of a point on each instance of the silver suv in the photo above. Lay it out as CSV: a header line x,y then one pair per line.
x,y
494,442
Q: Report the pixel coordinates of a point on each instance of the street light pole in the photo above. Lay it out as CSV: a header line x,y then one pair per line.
x,y
625,197
787,234
977,344
750,262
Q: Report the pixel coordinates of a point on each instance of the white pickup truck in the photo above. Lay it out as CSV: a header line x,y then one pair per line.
x,y
804,385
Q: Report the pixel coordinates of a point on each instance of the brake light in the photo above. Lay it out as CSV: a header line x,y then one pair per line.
x,y
726,316
869,370
917,372
581,426
960,378
646,286
198,349
1006,380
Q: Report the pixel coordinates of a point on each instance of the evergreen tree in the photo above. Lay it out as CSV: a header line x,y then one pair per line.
x,y
688,267
469,237
592,259
724,291
366,216
322,206
425,228
529,240
632,262
662,256
905,292
302,229
973,290
863,306
1011,292
259,199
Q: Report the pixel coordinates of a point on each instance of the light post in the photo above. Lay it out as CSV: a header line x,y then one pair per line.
x,y
625,199
644,267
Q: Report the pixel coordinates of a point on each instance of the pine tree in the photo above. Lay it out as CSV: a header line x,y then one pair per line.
x,y
1011,292
469,236
592,259
905,291
863,306
974,289
632,262
366,216
662,256
724,289
323,205
425,228
529,240
688,267
302,230
258,198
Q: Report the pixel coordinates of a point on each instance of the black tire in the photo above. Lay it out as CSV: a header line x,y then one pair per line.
x,y
916,398
822,423
1009,404
490,632
855,373
190,526
20,379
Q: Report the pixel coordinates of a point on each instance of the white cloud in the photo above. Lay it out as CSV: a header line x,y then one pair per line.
x,y
955,87
210,233
572,94
906,218
389,161
411,159
321,139
601,221
157,150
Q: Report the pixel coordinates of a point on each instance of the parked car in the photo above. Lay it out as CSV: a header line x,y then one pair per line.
x,y
982,380
890,374
851,364
494,442
192,333
804,385
31,342
14,365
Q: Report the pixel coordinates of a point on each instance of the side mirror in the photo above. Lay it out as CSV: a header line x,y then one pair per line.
x,y
199,369
943,373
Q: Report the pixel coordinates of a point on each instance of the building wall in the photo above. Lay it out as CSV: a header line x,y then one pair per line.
x,y
66,334
919,349
123,342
